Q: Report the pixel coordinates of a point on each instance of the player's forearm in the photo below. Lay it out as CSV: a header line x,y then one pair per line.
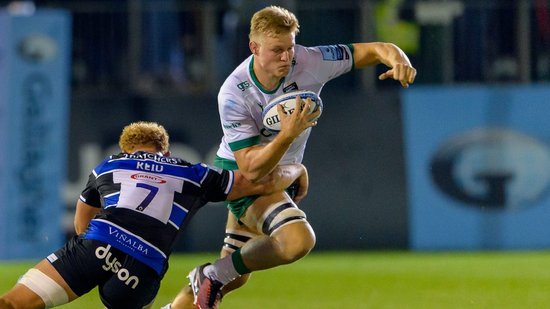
x,y
243,187
279,179
368,54
256,162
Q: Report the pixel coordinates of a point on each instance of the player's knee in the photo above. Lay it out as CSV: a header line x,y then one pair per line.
x,y
299,248
294,242
307,242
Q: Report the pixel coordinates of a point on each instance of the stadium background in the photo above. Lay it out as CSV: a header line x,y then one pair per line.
x,y
164,61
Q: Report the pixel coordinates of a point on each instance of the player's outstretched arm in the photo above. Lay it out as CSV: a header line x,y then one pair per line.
x,y
278,180
400,67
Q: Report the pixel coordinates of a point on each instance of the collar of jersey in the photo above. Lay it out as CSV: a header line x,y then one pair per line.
x,y
257,82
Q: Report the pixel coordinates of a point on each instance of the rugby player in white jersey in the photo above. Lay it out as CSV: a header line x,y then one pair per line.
x,y
269,231
127,220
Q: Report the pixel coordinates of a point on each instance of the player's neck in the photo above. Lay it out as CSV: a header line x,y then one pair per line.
x,y
268,81
147,149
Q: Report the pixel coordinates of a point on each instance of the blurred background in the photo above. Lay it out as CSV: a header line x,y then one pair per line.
x,y
459,161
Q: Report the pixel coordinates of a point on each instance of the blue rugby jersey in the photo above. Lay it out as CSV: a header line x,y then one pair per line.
x,y
146,199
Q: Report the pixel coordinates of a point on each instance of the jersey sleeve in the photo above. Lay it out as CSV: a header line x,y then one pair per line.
x,y
215,183
327,62
238,125
90,194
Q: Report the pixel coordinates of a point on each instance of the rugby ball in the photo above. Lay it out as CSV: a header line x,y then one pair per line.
x,y
270,116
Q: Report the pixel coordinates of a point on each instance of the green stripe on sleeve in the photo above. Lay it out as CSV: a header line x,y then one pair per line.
x,y
238,145
352,59
226,164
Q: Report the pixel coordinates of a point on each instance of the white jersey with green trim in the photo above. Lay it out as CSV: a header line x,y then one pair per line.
x,y
242,98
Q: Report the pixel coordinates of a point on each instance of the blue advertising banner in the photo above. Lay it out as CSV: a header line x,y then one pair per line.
x,y
34,97
478,167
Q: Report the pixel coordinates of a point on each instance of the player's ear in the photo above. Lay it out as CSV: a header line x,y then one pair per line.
x,y
253,47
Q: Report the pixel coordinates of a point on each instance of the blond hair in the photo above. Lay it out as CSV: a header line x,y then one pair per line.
x,y
273,21
143,134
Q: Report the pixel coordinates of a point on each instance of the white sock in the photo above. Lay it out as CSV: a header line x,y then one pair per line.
x,y
222,270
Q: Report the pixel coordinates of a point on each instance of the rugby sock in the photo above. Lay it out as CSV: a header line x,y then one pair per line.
x,y
222,270
227,268
238,263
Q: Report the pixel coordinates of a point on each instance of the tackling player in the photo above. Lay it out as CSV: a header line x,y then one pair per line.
x,y
127,220
264,232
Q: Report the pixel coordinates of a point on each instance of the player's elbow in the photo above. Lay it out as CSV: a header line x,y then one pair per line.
x,y
77,228
80,226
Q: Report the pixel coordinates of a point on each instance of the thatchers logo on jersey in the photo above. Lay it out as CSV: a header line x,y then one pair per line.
x,y
149,156
148,177
112,264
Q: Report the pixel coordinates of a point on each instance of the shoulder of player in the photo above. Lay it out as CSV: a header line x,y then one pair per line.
x,y
238,91
239,79
234,87
303,55
129,161
103,165
310,58
308,51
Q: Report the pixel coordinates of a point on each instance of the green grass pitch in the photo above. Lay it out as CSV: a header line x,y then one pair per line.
x,y
333,280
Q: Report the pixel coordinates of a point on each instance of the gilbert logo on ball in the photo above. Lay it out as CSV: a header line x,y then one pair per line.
x,y
270,116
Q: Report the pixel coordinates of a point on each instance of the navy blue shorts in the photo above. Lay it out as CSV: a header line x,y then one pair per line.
x,y
122,281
